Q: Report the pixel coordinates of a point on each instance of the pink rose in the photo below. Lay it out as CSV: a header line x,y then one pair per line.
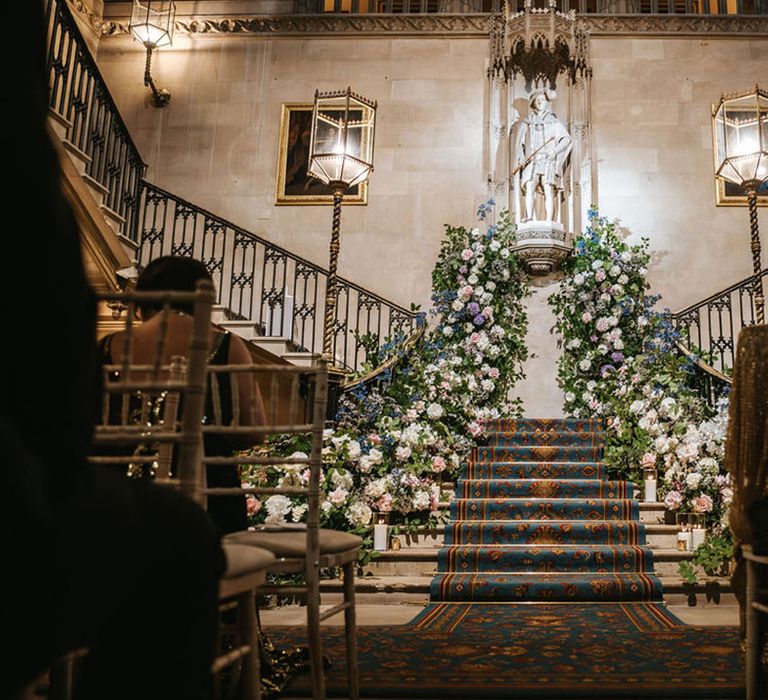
x,y
438,464
374,439
673,500
494,373
475,429
702,503
252,504
586,317
648,460
384,504
474,337
466,254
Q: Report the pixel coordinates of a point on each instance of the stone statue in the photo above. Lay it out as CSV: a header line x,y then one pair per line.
x,y
541,151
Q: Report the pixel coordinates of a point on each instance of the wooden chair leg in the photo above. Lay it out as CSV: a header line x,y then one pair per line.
x,y
249,634
350,631
317,672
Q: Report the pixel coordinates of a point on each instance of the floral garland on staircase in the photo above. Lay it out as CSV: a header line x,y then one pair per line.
x,y
620,362
399,436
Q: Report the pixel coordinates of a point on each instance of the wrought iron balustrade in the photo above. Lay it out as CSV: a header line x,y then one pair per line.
x,y
601,7
711,327
279,292
79,94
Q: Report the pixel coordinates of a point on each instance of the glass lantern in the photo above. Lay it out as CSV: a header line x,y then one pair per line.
x,y
740,123
341,147
152,22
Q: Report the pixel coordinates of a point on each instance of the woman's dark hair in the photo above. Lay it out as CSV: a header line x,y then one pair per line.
x,y
175,273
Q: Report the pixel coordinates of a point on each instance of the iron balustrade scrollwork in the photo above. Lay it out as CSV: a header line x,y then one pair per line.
x,y
79,95
257,281
709,328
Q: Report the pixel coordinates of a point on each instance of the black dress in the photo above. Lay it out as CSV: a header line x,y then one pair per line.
x,y
227,512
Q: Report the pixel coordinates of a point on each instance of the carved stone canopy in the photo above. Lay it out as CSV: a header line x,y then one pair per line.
x,y
538,44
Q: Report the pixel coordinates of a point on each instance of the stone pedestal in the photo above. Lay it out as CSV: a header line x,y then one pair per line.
x,y
541,246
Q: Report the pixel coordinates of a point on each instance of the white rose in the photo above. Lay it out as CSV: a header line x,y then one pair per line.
x,y
584,365
403,452
359,514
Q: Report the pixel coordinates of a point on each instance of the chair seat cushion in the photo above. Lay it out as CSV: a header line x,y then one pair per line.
x,y
244,559
293,543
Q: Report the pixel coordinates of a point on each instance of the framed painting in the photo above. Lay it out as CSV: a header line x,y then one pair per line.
x,y
729,195
294,186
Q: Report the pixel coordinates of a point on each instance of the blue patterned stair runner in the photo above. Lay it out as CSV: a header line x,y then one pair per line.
x,y
536,520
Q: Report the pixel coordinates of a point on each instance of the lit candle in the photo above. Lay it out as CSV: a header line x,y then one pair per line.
x,y
698,535
380,529
684,542
650,490
649,479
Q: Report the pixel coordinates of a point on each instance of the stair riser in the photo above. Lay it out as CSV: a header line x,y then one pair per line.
x,y
521,438
578,425
500,588
429,568
551,532
538,454
698,596
534,470
653,540
546,560
543,509
544,488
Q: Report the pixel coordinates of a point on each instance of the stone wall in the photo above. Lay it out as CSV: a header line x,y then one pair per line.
x,y
216,145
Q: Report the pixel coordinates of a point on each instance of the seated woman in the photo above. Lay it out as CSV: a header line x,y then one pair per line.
x,y
178,273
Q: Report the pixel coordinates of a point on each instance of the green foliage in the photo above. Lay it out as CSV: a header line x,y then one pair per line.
x,y
713,556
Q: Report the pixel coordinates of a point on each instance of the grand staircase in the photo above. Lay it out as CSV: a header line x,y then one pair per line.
x,y
536,519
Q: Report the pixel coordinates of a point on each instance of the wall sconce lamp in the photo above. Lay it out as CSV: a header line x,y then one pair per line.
x,y
340,156
740,123
152,24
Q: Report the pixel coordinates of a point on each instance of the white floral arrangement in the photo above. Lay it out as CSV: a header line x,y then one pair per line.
x,y
399,440
620,362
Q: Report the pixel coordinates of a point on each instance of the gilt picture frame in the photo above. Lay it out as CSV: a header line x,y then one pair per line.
x,y
294,186
729,195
